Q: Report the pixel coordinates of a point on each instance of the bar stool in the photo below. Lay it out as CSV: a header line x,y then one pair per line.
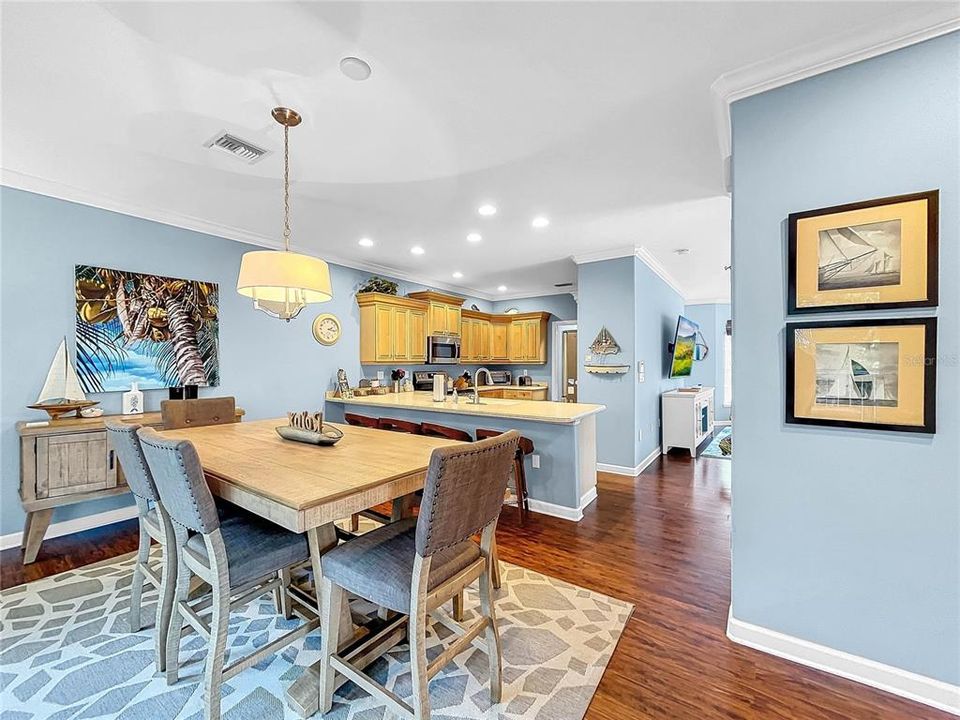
x,y
444,431
525,447
361,420
403,426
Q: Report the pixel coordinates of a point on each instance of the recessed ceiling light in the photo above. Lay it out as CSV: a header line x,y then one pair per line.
x,y
457,274
355,68
417,250
365,242
487,210
502,288
682,251
474,237
540,221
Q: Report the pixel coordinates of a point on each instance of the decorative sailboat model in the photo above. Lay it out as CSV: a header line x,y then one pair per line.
x,y
603,346
61,392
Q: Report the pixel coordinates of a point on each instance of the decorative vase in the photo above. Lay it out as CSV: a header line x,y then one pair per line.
x,y
133,400
396,386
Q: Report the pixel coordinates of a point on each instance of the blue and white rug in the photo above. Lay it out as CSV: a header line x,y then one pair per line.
x,y
66,653
715,449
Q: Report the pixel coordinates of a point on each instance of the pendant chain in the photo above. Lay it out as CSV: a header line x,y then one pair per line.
x,y
286,188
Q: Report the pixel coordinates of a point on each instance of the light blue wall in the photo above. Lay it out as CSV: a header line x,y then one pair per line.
x,y
605,292
640,310
712,319
270,366
657,307
847,538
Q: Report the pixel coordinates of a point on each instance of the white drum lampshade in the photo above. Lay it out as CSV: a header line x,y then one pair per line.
x,y
283,283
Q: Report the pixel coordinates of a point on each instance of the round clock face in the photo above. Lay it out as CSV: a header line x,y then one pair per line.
x,y
326,329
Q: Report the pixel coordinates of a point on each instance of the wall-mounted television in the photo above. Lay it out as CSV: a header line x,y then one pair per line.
x,y
684,348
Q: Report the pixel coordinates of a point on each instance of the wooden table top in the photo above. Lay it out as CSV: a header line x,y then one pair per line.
x,y
302,485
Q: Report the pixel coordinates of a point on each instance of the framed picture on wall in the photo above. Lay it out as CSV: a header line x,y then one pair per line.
x,y
871,255
876,374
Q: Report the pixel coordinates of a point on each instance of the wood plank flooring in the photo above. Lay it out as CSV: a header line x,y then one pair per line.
x,y
661,541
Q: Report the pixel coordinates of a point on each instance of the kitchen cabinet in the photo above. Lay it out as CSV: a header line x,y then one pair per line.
x,y
527,338
498,339
392,329
514,393
474,337
443,314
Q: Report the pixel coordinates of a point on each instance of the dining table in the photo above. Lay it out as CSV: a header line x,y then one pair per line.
x,y
305,488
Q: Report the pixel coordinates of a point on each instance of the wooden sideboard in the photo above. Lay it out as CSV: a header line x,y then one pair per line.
x,y
67,461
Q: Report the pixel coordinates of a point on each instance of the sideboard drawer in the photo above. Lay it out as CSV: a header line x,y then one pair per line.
x,y
74,463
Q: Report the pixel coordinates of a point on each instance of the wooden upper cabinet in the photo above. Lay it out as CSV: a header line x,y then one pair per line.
x,y
498,340
392,329
527,338
443,316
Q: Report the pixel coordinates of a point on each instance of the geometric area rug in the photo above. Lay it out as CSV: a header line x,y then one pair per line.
x,y
66,653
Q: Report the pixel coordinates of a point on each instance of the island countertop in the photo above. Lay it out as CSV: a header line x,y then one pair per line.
x,y
534,410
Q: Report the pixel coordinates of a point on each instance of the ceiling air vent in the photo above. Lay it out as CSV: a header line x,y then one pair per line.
x,y
238,147
563,285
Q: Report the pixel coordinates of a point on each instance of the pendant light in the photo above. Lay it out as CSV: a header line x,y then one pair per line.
x,y
282,283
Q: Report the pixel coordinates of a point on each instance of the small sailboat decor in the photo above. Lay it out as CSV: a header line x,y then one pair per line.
x,y
605,345
61,393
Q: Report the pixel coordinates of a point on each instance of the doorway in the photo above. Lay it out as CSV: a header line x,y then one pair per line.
x,y
565,356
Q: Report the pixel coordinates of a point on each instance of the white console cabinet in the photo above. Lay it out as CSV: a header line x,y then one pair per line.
x,y
687,418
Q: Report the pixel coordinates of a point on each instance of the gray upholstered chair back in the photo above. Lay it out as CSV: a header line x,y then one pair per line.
x,y
125,443
178,475
464,491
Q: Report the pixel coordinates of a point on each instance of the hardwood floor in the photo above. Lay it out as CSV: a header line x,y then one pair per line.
x,y
660,541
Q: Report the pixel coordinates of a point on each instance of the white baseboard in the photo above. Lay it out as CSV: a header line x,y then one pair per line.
x,y
626,469
68,527
562,511
904,683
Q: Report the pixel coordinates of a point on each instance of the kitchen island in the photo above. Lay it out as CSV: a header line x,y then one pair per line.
x,y
564,436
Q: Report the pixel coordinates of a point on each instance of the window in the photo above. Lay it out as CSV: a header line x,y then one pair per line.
x,y
727,369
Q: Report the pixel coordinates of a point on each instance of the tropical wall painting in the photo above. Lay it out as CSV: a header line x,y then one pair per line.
x,y
153,330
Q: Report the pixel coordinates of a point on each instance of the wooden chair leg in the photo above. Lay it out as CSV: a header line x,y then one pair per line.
x,y
495,565
213,672
458,606
136,587
286,606
355,523
332,604
488,611
520,479
417,633
175,630
168,580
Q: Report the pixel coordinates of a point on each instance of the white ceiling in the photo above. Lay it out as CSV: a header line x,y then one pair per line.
x,y
598,115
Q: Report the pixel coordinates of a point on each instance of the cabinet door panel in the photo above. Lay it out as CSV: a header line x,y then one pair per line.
x,y
68,464
452,320
515,346
401,334
385,331
437,321
418,335
498,350
485,341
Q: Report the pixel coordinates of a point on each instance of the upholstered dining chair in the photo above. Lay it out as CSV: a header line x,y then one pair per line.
x,y
414,566
154,524
242,556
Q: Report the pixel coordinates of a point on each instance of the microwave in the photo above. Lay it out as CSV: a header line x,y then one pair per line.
x,y
443,350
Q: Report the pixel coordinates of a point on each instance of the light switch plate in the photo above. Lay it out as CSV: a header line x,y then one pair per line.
x,y
535,461
379,374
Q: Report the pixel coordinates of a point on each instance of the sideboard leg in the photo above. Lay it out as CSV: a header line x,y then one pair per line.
x,y
33,531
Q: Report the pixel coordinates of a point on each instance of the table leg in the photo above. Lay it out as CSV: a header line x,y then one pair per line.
x,y
34,529
303,696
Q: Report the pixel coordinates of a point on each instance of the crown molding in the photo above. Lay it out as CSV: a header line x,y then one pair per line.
x,y
102,201
641,253
526,295
898,30
708,301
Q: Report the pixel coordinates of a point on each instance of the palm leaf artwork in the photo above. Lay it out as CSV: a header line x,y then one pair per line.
x,y
149,329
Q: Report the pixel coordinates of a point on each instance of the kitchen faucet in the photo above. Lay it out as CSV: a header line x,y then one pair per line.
x,y
476,377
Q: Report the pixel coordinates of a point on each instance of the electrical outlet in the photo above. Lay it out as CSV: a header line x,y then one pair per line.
x,y
379,374
641,372
535,461
640,435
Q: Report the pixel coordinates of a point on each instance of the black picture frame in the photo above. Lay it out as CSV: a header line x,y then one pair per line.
x,y
933,261
929,375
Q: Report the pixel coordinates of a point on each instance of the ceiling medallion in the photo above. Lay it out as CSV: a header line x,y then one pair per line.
x,y
282,283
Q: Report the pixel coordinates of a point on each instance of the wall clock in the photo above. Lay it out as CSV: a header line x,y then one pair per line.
x,y
326,329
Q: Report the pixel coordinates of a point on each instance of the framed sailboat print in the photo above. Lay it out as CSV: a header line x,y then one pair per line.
x,y
873,374
871,255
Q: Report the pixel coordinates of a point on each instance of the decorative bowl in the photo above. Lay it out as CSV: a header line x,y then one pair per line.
x,y
329,436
